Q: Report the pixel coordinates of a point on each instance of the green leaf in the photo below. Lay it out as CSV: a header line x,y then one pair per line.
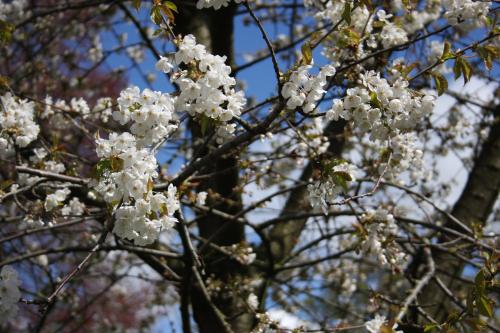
x,y
136,4
168,12
466,69
6,30
470,301
101,167
344,175
116,163
440,82
430,327
156,15
462,67
151,184
340,181
484,306
447,54
484,55
171,5
5,184
488,53
375,102
4,82
346,14
204,124
306,53
480,283
457,70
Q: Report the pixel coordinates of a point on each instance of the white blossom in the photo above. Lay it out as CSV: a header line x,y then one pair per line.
x,y
150,113
74,207
304,90
374,325
201,198
55,199
206,87
457,10
17,123
215,4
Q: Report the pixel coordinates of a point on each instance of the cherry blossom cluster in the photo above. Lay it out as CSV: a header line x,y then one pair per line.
x,y
376,324
17,123
242,253
103,109
324,192
381,229
205,85
13,11
150,114
460,10
55,199
73,208
305,90
405,155
39,158
391,33
77,106
339,46
381,108
9,292
366,30
215,4
128,172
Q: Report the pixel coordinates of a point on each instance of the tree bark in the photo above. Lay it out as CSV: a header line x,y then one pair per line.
x,y
473,207
214,29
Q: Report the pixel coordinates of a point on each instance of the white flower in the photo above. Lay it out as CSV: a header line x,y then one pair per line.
x,y
374,325
201,198
305,90
17,124
253,301
143,214
216,4
74,207
55,199
151,114
13,11
95,52
392,35
164,65
465,9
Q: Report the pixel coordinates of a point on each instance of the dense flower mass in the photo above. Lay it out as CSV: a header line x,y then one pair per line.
x,y
150,113
293,160
305,90
324,192
381,108
205,85
13,11
127,174
55,199
17,123
9,292
460,10
376,324
215,4
381,229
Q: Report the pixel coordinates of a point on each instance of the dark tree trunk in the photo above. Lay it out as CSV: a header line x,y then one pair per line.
x,y
473,207
214,29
